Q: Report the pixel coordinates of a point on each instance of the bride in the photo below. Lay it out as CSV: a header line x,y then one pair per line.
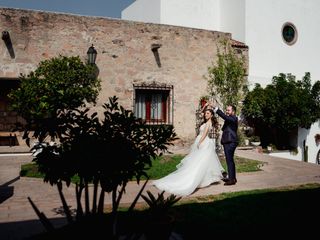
x,y
199,168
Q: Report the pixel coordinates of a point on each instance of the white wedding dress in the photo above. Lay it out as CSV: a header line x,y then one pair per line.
x,y
198,169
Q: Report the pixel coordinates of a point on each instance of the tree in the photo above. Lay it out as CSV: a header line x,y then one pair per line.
x,y
284,105
57,85
106,153
227,76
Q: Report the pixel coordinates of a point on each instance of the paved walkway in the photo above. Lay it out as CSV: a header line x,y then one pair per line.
x,y
18,220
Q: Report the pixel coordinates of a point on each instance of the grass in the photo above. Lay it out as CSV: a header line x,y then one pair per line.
x,y
161,167
167,164
31,170
263,212
250,214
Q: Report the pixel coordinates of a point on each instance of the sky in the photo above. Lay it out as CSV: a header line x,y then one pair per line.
x,y
103,8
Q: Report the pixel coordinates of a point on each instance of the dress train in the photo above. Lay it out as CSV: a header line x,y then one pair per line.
x,y
199,168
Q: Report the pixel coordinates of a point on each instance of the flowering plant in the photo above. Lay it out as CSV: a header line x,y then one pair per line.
x,y
203,100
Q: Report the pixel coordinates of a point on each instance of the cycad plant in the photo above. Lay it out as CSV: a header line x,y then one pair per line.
x,y
159,207
160,222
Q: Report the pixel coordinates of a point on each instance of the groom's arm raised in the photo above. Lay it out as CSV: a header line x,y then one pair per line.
x,y
224,116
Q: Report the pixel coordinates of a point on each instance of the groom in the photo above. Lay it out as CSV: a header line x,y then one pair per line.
x,y
229,139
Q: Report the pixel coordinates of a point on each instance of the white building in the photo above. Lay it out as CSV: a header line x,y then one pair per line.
x,y
283,37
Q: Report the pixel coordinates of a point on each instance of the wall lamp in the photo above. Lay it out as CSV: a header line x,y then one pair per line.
x,y
92,55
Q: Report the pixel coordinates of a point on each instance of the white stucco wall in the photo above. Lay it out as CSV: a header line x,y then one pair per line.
x,y
313,148
204,14
308,136
232,18
268,54
143,11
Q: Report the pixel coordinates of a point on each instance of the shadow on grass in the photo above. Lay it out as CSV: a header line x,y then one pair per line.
x,y
261,212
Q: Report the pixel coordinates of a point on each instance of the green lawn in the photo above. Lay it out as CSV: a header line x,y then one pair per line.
x,y
31,170
250,214
290,210
167,164
160,166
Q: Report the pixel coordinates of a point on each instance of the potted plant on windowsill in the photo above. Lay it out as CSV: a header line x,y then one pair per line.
x,y
159,220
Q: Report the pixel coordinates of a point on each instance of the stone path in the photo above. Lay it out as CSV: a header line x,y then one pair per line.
x,y
18,220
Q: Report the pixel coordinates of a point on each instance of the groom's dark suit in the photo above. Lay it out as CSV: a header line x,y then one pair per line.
x,y
229,140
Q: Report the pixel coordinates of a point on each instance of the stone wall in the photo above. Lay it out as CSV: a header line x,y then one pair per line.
x,y
124,55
